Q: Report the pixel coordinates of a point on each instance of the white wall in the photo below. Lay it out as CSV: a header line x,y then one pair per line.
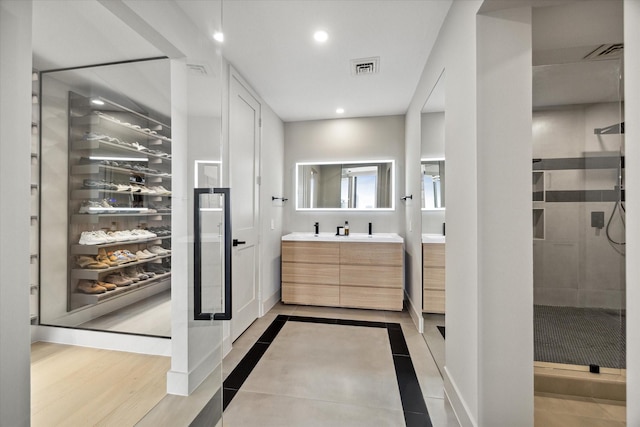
x,y
15,178
632,137
271,212
454,53
505,259
365,138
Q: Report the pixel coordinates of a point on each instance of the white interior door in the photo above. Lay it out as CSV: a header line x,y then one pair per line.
x,y
244,150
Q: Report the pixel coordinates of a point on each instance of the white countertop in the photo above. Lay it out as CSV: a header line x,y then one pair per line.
x,y
352,237
433,238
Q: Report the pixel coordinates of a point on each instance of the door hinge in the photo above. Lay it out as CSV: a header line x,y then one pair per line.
x,y
260,123
258,180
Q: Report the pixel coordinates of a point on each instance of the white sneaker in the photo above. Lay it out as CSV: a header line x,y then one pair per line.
x,y
102,234
142,255
91,238
158,250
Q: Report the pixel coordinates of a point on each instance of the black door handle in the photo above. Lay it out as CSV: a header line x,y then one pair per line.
x,y
237,242
198,314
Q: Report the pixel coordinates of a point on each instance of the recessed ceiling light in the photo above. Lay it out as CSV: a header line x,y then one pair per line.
x,y
97,102
321,36
218,36
340,110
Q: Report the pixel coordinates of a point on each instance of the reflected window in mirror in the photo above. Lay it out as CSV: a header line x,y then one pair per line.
x,y
366,185
433,184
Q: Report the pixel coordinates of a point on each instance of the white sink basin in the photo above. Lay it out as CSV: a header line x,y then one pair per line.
x,y
352,237
433,238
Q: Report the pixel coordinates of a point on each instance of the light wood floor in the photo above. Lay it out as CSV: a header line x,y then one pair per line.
x,y
78,386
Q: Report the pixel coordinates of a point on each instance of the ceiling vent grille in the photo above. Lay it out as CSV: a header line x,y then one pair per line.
x,y
365,66
605,51
197,69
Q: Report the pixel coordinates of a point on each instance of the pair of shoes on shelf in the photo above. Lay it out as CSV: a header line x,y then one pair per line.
x,y
97,237
91,263
119,279
137,273
95,286
105,258
145,254
156,268
123,256
90,287
158,250
102,185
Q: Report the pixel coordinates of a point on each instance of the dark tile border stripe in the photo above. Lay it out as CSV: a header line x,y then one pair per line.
x,y
413,405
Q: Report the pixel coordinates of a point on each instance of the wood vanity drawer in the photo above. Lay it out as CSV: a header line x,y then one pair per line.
x,y
369,297
434,301
371,275
299,293
300,272
311,252
371,253
433,278
433,255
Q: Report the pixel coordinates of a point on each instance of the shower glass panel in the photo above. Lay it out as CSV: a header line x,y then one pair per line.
x,y
579,214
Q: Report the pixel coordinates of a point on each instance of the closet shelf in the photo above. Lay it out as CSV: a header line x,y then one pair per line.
x,y
80,299
95,169
100,144
95,218
95,193
93,249
85,273
96,119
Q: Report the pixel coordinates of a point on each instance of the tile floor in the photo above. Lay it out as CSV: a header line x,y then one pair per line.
x,y
321,375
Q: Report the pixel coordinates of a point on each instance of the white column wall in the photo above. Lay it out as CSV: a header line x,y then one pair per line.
x,y
15,208
505,258
271,212
455,53
632,191
413,218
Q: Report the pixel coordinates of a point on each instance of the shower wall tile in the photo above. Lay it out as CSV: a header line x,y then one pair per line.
x,y
560,222
581,179
604,299
558,132
560,265
558,297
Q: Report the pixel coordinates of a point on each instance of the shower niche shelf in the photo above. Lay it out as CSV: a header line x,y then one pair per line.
x,y
538,224
538,186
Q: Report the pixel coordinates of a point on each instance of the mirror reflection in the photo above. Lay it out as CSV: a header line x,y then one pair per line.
x,y
433,177
366,185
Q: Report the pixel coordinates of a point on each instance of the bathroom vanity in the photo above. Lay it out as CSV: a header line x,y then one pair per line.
x,y
358,271
433,273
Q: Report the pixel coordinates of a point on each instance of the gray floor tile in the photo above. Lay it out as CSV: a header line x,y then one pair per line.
x,y
284,411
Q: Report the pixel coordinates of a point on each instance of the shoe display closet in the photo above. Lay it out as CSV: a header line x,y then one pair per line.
x,y
119,201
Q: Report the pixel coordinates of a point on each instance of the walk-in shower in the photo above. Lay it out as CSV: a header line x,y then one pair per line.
x,y
579,213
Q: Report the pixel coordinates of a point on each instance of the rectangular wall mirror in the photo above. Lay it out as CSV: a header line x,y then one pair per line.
x,y
360,185
433,183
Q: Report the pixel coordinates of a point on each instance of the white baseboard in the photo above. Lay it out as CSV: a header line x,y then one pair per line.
x,y
416,315
104,340
269,302
184,383
460,408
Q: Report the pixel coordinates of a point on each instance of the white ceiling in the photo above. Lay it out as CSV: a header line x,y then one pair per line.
x,y
271,43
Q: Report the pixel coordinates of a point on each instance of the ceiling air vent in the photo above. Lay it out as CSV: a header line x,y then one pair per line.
x,y
197,69
605,51
365,66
